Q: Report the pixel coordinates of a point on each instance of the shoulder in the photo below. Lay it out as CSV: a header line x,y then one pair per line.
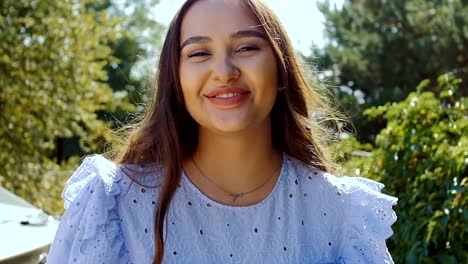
x,y
345,186
369,217
357,192
94,170
354,205
90,230
97,173
365,213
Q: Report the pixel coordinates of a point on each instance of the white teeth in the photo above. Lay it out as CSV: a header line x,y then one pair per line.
x,y
228,95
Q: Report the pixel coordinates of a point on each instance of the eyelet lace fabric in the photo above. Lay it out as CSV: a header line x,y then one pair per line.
x,y
370,216
309,217
90,231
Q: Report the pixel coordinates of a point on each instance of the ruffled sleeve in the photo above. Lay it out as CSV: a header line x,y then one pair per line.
x,y
89,231
368,222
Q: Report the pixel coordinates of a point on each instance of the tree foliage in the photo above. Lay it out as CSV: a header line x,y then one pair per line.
x,y
422,158
142,30
131,75
52,84
391,44
383,48
136,51
133,52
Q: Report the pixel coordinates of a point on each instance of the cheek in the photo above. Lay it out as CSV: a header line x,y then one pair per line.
x,y
186,76
266,75
265,72
191,79
271,73
272,70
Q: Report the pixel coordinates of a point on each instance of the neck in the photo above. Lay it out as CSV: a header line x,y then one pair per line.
x,y
238,162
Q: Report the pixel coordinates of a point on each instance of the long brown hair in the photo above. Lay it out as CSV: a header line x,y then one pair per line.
x,y
167,134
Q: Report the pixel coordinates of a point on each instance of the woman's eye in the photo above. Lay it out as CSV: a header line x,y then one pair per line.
x,y
198,54
247,48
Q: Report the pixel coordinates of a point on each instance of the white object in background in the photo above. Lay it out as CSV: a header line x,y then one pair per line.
x,y
26,231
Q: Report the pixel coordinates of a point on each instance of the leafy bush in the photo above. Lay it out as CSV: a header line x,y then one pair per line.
x,y
351,155
52,55
422,157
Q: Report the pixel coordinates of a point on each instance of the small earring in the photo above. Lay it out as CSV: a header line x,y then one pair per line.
x,y
281,88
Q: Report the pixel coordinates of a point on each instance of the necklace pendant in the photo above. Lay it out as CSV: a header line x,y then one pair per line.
x,y
235,196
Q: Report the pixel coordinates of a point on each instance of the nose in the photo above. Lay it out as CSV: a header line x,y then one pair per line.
x,y
225,71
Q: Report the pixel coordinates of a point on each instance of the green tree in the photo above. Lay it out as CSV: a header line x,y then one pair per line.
x,y
134,51
142,39
52,84
421,156
382,48
134,47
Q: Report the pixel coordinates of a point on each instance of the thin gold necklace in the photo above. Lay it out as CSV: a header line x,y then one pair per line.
x,y
234,196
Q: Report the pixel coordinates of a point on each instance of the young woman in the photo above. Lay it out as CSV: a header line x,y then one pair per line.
x,y
230,163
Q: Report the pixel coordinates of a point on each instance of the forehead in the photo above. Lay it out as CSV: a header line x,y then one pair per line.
x,y
217,17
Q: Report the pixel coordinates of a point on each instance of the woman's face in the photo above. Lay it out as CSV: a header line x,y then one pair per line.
x,y
227,68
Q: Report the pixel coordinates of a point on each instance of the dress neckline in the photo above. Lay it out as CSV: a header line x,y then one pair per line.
x,y
193,188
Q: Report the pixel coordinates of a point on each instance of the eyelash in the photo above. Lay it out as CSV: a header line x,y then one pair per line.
x,y
198,54
242,49
248,48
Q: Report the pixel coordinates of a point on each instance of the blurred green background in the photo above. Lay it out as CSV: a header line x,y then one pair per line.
x,y
398,69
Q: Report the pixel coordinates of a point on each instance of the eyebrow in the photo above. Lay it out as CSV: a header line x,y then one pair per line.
x,y
235,35
248,33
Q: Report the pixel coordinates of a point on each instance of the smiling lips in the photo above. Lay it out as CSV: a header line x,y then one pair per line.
x,y
228,96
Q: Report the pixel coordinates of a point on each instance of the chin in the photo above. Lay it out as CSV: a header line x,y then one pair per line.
x,y
231,127
238,126
229,124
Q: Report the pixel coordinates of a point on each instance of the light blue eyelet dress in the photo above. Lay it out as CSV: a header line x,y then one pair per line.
x,y
309,217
